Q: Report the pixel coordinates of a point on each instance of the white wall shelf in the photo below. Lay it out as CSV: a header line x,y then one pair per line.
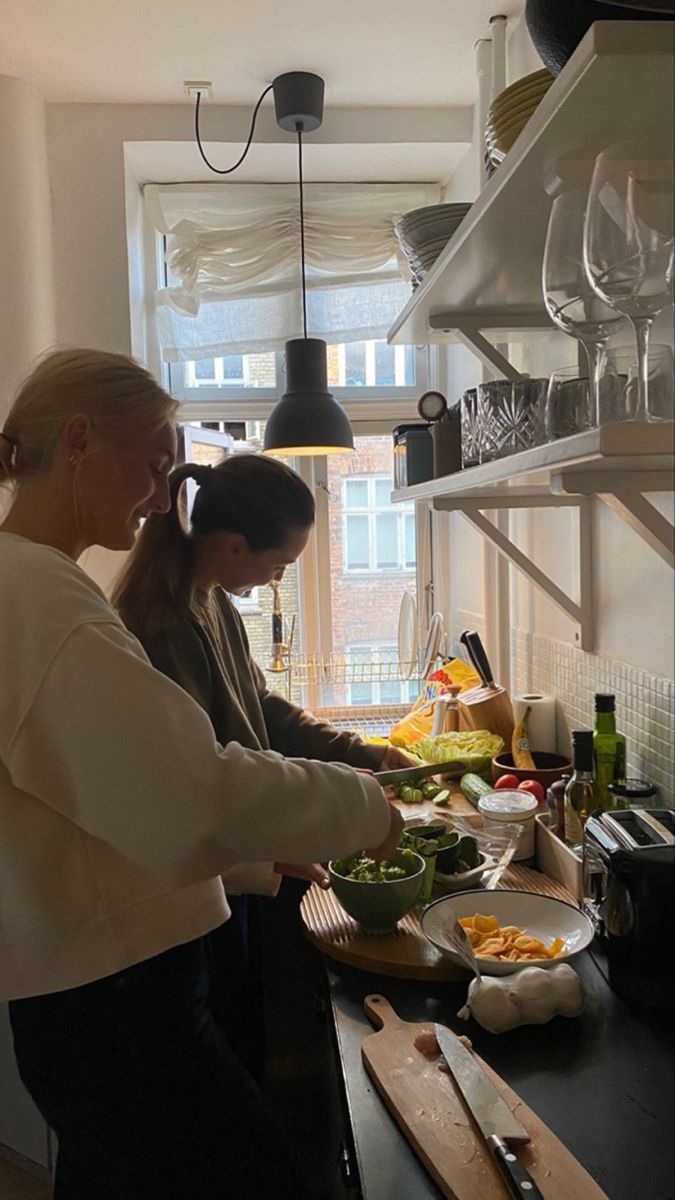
x,y
486,283
617,463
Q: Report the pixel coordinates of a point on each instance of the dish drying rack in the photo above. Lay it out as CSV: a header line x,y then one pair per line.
x,y
338,669
315,678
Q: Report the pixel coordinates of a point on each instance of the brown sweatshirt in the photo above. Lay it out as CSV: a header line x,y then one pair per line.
x,y
220,674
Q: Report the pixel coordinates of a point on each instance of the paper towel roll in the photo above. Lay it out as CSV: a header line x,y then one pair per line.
x,y
541,722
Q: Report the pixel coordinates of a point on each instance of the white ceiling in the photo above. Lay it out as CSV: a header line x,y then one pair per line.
x,y
370,52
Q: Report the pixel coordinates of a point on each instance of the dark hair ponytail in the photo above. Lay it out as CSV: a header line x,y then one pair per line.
x,y
258,497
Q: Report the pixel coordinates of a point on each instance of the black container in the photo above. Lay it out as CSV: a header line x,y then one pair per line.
x,y
413,455
557,26
446,436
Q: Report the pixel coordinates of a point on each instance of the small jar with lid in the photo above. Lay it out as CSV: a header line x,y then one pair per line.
x,y
507,807
633,793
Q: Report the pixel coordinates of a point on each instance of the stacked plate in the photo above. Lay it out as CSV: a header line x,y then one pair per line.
x,y
424,232
510,111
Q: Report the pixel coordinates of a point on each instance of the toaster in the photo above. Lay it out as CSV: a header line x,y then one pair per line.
x,y
629,894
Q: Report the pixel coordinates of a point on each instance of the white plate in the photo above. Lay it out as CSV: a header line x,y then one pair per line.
x,y
435,638
542,916
407,635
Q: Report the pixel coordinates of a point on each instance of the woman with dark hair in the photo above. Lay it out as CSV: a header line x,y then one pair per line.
x,y
251,518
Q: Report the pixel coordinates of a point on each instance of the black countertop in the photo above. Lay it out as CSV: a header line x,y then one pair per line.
x,y
604,1083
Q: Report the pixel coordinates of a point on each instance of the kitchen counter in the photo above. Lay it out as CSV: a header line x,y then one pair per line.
x,y
604,1083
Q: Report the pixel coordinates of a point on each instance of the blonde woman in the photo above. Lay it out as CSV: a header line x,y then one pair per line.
x,y
110,880
251,518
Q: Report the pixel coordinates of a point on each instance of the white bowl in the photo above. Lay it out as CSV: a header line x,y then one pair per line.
x,y
542,916
467,879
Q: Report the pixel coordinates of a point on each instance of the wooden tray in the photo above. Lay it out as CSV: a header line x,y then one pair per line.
x,y
430,1110
405,953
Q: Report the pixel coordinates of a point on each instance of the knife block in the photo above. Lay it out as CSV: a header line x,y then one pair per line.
x,y
487,708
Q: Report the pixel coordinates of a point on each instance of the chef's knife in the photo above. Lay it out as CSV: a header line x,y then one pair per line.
x,y
478,657
413,774
492,1114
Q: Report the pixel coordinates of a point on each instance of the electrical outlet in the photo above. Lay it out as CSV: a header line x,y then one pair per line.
x,y
192,88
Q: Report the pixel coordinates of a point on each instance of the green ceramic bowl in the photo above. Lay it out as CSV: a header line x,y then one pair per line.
x,y
378,907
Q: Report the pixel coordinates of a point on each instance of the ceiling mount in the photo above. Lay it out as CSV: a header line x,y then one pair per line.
x,y
298,101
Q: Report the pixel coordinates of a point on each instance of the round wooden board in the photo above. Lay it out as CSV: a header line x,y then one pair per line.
x,y
405,953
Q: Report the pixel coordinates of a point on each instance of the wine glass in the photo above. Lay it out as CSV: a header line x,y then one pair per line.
x,y
622,370
570,300
628,239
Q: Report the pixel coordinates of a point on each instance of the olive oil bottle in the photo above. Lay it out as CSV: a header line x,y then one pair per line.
x,y
609,750
581,796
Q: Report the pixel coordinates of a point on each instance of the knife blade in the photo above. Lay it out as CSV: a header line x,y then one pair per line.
x,y
490,1112
413,774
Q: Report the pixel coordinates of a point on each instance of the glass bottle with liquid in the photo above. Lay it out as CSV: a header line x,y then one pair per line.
x,y
581,796
609,750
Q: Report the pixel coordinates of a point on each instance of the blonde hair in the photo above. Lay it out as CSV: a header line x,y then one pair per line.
x,y
251,494
112,390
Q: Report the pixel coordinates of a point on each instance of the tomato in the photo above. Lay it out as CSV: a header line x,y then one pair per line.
x,y
534,787
507,781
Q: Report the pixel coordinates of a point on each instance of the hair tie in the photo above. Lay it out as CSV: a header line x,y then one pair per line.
x,y
12,443
201,475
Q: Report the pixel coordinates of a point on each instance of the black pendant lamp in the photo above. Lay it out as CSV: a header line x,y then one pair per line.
x,y
307,419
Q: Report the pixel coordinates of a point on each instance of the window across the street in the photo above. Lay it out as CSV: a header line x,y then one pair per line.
x,y
376,537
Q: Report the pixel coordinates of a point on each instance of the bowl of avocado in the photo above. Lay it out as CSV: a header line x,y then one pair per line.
x,y
378,894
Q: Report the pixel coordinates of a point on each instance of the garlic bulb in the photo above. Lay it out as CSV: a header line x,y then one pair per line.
x,y
529,997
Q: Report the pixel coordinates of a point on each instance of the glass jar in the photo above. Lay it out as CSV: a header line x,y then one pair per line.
x,y
516,808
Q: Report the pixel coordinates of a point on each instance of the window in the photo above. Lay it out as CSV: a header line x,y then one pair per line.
x,y
232,371
377,536
351,368
381,683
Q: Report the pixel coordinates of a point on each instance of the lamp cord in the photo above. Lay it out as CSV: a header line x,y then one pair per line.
x,y
302,236
227,170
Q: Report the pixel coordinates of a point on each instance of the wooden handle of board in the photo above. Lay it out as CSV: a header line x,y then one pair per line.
x,y
380,1012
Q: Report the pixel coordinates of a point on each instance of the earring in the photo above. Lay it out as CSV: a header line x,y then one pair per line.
x,y
74,460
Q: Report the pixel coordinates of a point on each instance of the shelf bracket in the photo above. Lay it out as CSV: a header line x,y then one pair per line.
x,y
468,329
623,494
580,613
489,355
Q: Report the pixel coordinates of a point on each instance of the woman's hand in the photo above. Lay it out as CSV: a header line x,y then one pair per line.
x,y
390,844
313,872
395,760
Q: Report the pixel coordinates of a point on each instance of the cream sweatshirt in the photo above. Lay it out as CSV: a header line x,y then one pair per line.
x,y
119,811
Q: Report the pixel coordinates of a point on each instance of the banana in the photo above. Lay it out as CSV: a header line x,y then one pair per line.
x,y
520,746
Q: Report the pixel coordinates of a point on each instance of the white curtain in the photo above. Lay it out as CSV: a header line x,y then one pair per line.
x,y
233,256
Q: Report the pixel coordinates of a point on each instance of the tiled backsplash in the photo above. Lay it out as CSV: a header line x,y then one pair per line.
x,y
645,704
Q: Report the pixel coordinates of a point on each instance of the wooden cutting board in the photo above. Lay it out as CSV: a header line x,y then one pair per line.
x,y
430,1110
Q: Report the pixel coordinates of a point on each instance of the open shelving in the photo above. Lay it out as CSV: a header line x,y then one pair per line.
x,y
618,463
486,283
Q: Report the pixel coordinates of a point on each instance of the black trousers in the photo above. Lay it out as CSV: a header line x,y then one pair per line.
x,y
144,1093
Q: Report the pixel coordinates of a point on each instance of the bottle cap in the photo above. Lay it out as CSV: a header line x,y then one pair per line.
x,y
583,749
604,702
583,738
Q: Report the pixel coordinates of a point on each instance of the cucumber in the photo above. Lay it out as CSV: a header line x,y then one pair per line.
x,y
473,787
